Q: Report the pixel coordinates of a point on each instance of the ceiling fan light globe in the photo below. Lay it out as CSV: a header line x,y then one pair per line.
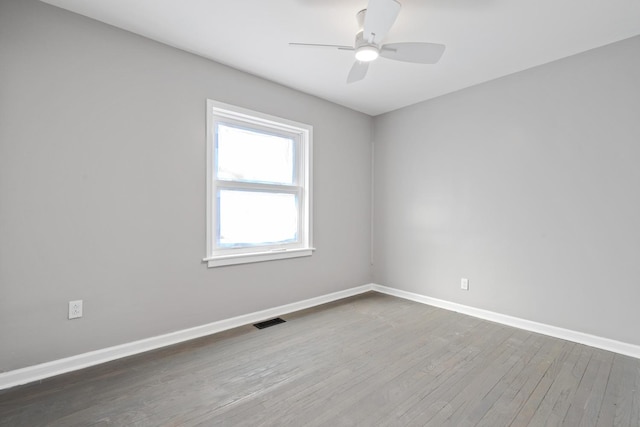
x,y
367,53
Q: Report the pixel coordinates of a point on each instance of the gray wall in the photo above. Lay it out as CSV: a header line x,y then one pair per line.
x,y
528,186
102,189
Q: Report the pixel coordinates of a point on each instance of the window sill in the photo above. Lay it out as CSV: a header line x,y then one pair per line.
x,y
220,261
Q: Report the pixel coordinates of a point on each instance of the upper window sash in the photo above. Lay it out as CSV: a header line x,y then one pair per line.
x,y
296,159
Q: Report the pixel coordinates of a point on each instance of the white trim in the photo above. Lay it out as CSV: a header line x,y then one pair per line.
x,y
231,111
302,135
80,361
271,255
528,325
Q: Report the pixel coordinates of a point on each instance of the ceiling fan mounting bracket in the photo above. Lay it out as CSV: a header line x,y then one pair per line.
x,y
360,17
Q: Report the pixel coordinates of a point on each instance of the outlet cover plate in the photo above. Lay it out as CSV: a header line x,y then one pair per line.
x,y
75,309
464,284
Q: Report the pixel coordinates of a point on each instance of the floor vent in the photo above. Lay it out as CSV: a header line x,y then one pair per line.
x,y
268,323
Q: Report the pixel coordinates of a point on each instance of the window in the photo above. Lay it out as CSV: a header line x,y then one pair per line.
x,y
258,186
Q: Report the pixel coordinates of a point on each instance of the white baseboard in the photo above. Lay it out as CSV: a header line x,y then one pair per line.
x,y
528,325
84,360
80,361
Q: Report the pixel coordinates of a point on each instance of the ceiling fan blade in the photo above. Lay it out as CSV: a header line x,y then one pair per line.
x,y
358,71
421,53
337,46
380,16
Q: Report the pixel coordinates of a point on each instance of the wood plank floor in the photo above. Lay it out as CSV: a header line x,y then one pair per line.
x,y
370,360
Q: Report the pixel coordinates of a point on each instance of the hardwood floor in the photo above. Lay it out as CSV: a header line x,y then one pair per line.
x,y
367,360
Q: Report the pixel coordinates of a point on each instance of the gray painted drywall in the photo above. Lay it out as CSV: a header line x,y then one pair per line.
x,y
526,185
102,189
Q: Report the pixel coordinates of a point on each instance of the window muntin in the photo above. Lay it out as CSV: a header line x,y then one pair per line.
x,y
258,186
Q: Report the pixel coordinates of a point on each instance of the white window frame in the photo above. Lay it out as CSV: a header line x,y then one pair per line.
x,y
221,113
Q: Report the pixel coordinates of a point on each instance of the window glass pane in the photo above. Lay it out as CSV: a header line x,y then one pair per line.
x,y
248,155
249,218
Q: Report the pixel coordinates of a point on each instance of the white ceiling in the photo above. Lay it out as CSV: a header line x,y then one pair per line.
x,y
485,39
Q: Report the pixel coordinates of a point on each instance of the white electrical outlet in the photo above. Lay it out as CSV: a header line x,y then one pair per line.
x,y
464,284
75,309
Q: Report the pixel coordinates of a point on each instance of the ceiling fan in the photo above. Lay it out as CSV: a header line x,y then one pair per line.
x,y
374,23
